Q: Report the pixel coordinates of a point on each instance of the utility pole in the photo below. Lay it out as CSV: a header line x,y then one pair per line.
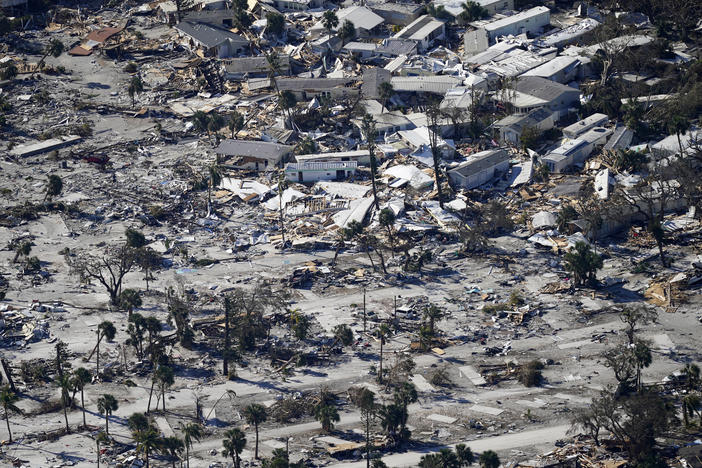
x,y
395,313
364,310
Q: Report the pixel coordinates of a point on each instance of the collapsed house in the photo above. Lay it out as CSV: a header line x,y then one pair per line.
x,y
252,155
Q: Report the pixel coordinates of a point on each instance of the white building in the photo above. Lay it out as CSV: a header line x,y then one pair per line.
x,y
512,126
578,128
424,31
455,7
359,156
479,169
316,171
569,153
531,21
561,69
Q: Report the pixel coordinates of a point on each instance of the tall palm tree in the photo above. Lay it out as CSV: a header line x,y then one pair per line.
x,y
81,377
234,444
165,377
172,447
370,133
191,431
255,414
8,399
107,404
385,92
678,125
53,48
100,439
106,329
147,441
383,332
65,384
214,179
236,123
136,86
690,404
330,21
692,373
347,32
327,415
433,313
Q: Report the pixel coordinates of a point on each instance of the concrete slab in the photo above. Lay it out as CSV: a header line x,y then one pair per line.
x,y
573,398
663,343
486,410
274,444
472,375
575,344
442,418
537,403
421,383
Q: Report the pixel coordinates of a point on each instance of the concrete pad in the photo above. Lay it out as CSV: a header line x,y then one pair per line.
x,y
486,410
442,418
537,403
269,403
663,343
573,398
332,440
421,383
472,375
164,426
575,344
274,444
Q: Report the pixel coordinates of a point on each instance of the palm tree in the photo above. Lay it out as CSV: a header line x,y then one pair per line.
x,y
678,125
172,447
53,48
370,133
347,32
236,123
53,187
65,384
213,180
22,249
330,21
489,459
106,329
215,122
136,86
690,404
81,377
383,332
8,399
385,92
130,300
255,414
138,422
432,313
106,405
327,415
165,378
147,441
191,431
282,185
692,373
234,444
100,438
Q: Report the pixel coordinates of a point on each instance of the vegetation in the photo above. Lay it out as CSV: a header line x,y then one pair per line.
x,y
583,264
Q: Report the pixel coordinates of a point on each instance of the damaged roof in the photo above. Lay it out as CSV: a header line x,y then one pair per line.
x,y
207,34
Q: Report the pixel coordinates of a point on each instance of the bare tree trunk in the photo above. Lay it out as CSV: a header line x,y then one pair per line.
x,y
151,392
82,404
7,421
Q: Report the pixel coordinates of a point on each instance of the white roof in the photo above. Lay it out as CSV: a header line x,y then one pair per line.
x,y
420,28
360,46
553,66
361,17
521,16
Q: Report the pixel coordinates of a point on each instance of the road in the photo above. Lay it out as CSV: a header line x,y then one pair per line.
x,y
546,435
